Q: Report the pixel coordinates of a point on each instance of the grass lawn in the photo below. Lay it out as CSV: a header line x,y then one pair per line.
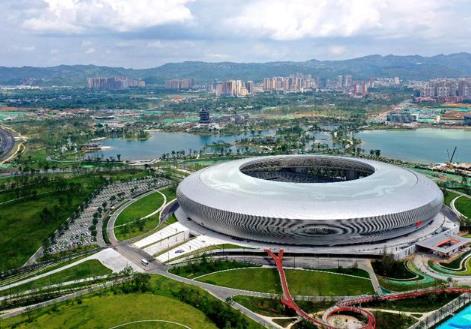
x,y
137,210
167,287
450,196
419,304
170,193
22,228
145,227
23,231
455,264
463,204
89,268
455,268
313,283
274,308
112,307
136,229
393,320
140,208
284,322
405,285
112,310
205,266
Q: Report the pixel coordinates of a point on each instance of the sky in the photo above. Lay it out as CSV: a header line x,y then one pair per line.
x,y
149,33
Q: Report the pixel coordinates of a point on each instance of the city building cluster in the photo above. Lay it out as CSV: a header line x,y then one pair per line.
x,y
114,83
179,84
293,83
449,90
233,88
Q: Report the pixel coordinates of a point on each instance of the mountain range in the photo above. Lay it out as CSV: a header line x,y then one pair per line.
x,y
406,67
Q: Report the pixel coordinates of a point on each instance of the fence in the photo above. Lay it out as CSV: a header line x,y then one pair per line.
x,y
435,317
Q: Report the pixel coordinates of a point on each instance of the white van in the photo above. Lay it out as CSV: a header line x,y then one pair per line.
x,y
144,262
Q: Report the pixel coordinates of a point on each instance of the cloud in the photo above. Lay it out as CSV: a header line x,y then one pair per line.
x,y
337,50
146,33
297,19
77,16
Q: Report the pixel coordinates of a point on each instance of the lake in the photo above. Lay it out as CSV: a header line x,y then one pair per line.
x,y
424,144
162,142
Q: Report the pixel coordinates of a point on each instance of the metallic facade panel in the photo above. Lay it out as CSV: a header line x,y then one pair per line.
x,y
390,201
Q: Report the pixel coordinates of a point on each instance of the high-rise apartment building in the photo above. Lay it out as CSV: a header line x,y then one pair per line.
x,y
113,83
179,84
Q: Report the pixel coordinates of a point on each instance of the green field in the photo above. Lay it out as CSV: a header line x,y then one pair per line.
x,y
313,283
163,299
87,269
140,208
112,310
205,266
273,307
449,196
393,321
138,228
463,204
170,193
418,280
459,266
417,304
23,227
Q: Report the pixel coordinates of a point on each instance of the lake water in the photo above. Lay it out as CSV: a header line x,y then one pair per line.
x,y
160,143
424,144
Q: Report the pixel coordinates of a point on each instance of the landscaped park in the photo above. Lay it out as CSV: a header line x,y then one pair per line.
x,y
302,282
143,215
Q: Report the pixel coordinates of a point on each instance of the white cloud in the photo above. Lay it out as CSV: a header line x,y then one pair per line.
x,y
337,50
22,48
89,51
297,19
76,16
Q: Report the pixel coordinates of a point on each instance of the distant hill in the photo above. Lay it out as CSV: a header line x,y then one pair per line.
x,y
406,67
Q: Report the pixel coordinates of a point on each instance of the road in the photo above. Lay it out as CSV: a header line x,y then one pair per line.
x,y
135,255
222,293
7,143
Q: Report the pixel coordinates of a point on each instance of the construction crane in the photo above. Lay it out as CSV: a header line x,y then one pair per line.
x,y
450,158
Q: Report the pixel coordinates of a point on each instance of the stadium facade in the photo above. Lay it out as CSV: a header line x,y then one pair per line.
x,y
309,200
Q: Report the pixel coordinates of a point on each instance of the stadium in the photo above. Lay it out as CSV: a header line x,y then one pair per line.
x,y
310,200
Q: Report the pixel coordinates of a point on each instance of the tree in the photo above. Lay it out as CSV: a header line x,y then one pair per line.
x,y
45,215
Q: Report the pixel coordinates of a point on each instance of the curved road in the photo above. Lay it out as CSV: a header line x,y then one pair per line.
x,y
135,255
7,143
223,293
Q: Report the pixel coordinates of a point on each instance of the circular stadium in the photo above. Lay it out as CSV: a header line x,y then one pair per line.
x,y
309,200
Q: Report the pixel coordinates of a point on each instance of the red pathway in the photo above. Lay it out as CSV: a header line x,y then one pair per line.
x,y
348,305
288,301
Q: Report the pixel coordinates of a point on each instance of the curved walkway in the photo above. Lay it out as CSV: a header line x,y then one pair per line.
x,y
111,222
144,321
108,257
288,301
452,204
421,262
461,271
164,203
